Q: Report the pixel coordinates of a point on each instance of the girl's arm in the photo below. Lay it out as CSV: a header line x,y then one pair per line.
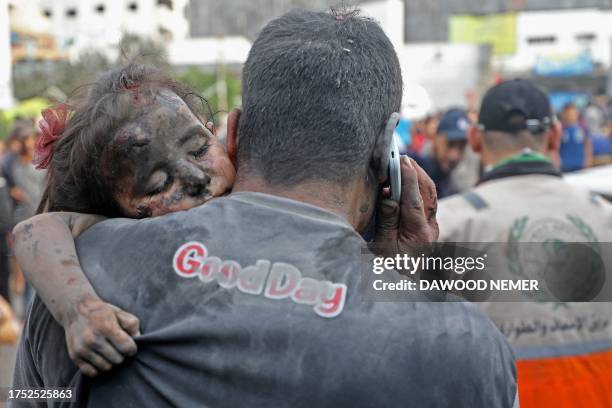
x,y
98,335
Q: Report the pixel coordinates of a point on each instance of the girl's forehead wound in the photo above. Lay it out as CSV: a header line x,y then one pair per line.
x,y
130,133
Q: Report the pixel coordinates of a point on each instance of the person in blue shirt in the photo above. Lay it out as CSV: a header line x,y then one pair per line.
x,y
447,151
576,146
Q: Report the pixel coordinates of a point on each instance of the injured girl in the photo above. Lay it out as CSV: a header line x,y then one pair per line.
x,y
134,145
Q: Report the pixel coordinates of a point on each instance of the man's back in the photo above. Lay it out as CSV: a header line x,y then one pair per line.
x,y
563,350
284,324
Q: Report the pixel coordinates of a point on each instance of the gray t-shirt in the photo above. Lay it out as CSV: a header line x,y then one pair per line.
x,y
255,300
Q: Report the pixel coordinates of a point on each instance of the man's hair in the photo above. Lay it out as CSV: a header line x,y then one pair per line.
x,y
501,142
317,89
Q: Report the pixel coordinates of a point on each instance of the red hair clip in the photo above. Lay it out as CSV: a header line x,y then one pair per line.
x,y
51,126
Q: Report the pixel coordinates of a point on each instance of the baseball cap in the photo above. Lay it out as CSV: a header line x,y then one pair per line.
x,y
454,124
515,105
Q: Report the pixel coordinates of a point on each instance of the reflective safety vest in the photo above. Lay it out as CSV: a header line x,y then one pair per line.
x,y
563,350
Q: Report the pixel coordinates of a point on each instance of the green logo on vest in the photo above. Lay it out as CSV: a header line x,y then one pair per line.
x,y
563,253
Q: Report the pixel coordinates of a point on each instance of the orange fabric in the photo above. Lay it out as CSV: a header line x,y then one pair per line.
x,y
566,382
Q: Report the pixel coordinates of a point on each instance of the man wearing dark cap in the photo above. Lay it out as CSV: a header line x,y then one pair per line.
x,y
447,151
563,350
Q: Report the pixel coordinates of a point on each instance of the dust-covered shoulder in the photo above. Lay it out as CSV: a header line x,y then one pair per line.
x,y
458,348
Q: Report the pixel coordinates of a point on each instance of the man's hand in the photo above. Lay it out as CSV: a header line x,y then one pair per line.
x,y
100,336
412,222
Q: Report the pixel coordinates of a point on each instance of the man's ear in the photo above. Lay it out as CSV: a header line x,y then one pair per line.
x,y
475,139
379,163
553,144
231,139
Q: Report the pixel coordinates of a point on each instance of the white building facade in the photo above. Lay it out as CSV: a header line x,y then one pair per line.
x,y
558,35
81,24
6,90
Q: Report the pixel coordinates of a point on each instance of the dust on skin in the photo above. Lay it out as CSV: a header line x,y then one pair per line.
x,y
69,262
166,159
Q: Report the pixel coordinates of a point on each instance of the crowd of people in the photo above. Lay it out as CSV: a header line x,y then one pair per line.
x,y
21,189
439,143
171,269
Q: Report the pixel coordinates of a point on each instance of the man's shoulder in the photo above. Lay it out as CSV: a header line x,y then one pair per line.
x,y
458,344
455,211
117,227
453,319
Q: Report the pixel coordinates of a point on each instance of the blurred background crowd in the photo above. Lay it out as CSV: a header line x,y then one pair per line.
x,y
450,52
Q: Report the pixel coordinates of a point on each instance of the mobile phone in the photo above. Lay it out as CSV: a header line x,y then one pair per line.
x,y
393,170
395,175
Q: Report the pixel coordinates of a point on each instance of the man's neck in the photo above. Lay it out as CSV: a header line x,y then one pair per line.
x,y
490,159
345,201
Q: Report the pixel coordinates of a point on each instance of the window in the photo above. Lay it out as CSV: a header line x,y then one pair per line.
x,y
100,8
133,7
544,39
167,3
47,13
586,37
71,12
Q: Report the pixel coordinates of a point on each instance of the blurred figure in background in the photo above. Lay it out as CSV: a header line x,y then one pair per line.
x,y
576,148
595,116
596,121
563,350
425,135
6,225
467,172
447,151
29,183
402,135
12,149
27,189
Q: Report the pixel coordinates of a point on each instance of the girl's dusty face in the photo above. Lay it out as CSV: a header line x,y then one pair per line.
x,y
165,160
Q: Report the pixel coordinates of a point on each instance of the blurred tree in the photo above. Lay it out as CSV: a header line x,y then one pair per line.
x,y
133,48
58,80
34,78
206,84
5,126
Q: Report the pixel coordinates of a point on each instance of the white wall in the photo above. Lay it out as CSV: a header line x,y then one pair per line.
x,y
174,20
6,90
446,71
390,15
209,51
564,26
91,28
203,51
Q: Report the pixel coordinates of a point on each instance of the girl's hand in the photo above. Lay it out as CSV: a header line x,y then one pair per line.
x,y
100,335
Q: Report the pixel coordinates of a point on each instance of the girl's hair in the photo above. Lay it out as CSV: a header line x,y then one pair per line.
x,y
78,179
